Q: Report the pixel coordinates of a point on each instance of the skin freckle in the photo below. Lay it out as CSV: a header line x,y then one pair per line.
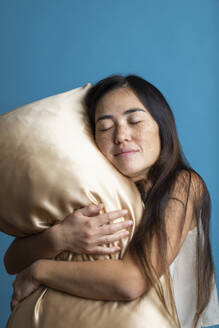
x,y
142,139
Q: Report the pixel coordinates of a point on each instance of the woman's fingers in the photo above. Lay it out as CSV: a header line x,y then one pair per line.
x,y
90,210
101,225
108,217
89,230
112,238
114,227
104,219
101,250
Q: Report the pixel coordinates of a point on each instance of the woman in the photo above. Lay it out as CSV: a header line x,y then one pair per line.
x,y
134,128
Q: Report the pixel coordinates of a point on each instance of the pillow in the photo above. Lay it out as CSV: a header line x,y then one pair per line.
x,y
49,166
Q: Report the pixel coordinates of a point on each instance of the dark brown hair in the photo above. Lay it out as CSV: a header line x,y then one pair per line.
x,y
163,176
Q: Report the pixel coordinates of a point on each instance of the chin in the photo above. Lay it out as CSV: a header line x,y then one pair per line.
x,y
134,175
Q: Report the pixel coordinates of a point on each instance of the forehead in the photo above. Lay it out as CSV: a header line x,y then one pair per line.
x,y
117,101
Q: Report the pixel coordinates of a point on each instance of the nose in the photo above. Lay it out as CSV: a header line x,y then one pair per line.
x,y
121,134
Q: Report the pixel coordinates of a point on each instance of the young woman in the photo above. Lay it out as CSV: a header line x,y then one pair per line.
x,y
134,128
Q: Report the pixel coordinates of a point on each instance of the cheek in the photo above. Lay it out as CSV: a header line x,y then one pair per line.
x,y
103,143
152,142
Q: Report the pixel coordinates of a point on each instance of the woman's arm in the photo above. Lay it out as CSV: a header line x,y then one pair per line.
x,y
76,233
101,280
25,250
109,279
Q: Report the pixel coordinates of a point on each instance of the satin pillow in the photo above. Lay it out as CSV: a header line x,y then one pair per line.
x,y
50,165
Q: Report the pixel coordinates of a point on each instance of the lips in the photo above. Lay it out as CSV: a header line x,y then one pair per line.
x,y
126,151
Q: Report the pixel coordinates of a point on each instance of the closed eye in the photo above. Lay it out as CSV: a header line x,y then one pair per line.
x,y
135,122
105,129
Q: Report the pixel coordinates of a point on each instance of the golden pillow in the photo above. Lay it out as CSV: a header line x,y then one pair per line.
x,y
49,166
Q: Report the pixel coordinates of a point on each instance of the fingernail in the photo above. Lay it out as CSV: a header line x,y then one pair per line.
x,y
129,223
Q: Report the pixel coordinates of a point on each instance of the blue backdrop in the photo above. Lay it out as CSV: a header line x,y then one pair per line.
x,y
49,47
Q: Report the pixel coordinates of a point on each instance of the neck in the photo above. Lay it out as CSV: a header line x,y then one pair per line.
x,y
143,187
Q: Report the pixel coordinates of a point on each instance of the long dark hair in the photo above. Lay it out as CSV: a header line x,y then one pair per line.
x,y
163,175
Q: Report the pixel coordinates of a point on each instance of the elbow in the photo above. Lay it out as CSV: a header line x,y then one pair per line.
x,y
132,294
133,290
133,283
8,267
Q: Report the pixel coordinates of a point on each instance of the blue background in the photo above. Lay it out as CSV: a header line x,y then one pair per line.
x,y
49,47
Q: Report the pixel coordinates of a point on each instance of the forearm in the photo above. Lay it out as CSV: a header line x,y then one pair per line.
x,y
101,280
26,250
74,234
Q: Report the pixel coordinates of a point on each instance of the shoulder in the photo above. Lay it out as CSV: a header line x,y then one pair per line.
x,y
188,192
188,184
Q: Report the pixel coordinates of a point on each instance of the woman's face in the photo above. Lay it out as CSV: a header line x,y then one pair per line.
x,y
126,133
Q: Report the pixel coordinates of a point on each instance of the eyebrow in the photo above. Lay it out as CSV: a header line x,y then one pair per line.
x,y
126,112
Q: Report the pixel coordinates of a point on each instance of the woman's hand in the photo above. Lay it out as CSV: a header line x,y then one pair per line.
x,y
79,233
24,285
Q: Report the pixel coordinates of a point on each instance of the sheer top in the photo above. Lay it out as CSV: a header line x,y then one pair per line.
x,y
184,287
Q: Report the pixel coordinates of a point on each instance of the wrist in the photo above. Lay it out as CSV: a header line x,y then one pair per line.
x,y
37,271
53,235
